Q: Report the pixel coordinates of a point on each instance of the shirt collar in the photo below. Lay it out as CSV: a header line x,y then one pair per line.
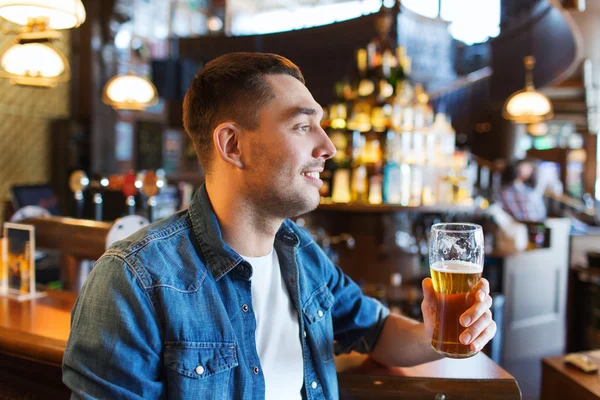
x,y
220,257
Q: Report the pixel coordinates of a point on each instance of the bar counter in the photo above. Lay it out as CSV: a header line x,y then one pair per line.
x,y
34,333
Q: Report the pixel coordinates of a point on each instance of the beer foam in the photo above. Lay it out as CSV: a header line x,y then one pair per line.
x,y
457,267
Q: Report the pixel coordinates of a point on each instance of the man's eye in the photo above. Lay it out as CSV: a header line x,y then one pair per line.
x,y
304,128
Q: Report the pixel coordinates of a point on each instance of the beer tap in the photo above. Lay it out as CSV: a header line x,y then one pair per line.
x,y
129,189
150,190
78,183
100,186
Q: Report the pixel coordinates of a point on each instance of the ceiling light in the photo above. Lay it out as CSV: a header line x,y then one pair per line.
x,y
56,14
129,92
528,106
34,64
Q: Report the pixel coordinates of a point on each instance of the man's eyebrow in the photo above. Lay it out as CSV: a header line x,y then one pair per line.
x,y
302,110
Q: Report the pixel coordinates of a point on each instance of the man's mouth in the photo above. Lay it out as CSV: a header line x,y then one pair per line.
x,y
314,175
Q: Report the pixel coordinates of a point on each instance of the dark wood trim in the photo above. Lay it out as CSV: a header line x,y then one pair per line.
x,y
35,348
358,386
83,239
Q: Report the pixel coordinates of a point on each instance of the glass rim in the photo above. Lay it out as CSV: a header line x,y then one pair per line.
x,y
447,227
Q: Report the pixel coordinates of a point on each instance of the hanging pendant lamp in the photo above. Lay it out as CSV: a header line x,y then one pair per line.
x,y
56,14
129,92
528,106
34,64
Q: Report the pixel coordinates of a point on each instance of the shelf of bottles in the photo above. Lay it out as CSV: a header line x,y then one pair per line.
x,y
393,151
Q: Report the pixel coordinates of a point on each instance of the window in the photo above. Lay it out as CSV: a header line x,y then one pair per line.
x,y
471,21
286,19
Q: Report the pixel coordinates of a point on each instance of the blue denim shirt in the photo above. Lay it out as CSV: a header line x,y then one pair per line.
x,y
167,313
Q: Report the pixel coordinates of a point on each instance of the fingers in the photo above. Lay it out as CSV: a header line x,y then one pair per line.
x,y
476,311
477,328
428,291
480,293
487,335
428,306
483,289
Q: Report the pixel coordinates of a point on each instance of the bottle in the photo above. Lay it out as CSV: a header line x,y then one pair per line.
x,y
405,184
380,118
360,119
437,142
416,185
359,187
392,173
397,74
376,189
341,186
384,75
366,85
335,126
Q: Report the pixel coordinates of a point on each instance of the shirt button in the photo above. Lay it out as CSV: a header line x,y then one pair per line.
x,y
313,385
292,281
244,308
304,333
320,313
255,369
199,369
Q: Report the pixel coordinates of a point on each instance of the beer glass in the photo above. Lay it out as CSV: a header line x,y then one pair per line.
x,y
456,255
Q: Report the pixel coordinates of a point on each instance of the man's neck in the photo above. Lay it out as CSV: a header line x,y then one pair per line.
x,y
244,227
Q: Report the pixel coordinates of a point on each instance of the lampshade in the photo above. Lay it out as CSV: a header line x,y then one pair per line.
x,y
528,106
129,92
60,14
34,64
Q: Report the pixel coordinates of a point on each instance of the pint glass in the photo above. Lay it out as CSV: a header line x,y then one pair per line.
x,y
456,262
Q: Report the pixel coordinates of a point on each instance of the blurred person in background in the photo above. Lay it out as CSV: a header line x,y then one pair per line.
x,y
518,195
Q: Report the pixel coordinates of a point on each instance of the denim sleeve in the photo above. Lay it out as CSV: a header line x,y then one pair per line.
x,y
114,349
357,319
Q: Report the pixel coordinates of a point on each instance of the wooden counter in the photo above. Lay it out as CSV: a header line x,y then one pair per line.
x,y
560,381
473,378
37,329
33,337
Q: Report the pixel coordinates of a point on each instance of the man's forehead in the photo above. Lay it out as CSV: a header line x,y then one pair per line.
x,y
292,96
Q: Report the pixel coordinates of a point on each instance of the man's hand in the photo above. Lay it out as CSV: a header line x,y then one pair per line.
x,y
477,319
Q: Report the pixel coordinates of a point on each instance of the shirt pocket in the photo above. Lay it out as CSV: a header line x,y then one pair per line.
x,y
199,370
317,314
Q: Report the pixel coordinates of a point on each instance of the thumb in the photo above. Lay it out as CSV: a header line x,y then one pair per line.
x,y
428,292
429,305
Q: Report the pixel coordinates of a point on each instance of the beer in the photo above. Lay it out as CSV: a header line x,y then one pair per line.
x,y
455,283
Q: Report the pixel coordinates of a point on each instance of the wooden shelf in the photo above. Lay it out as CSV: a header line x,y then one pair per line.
x,y
393,208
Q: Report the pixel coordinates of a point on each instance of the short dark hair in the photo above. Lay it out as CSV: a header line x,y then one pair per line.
x,y
230,87
511,172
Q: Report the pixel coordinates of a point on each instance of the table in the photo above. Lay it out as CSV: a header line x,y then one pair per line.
x,y
560,381
33,337
475,378
34,334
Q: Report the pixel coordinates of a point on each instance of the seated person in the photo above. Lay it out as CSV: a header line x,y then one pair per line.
x,y
230,299
518,195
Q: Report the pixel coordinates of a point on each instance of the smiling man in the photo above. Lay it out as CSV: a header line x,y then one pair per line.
x,y
230,299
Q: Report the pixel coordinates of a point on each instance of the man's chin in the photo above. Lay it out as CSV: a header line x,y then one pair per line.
x,y
306,206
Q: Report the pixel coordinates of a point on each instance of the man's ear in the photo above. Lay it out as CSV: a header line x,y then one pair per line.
x,y
227,139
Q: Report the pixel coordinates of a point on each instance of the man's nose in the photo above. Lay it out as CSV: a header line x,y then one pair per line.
x,y
325,148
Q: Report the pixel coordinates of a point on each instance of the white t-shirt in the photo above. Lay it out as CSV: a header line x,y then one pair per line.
x,y
277,330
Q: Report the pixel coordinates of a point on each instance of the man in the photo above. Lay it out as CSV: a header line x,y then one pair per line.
x,y
230,299
518,195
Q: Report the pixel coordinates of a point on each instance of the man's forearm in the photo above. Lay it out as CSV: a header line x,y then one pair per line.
x,y
403,342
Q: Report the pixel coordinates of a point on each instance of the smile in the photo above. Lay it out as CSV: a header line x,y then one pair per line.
x,y
314,175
